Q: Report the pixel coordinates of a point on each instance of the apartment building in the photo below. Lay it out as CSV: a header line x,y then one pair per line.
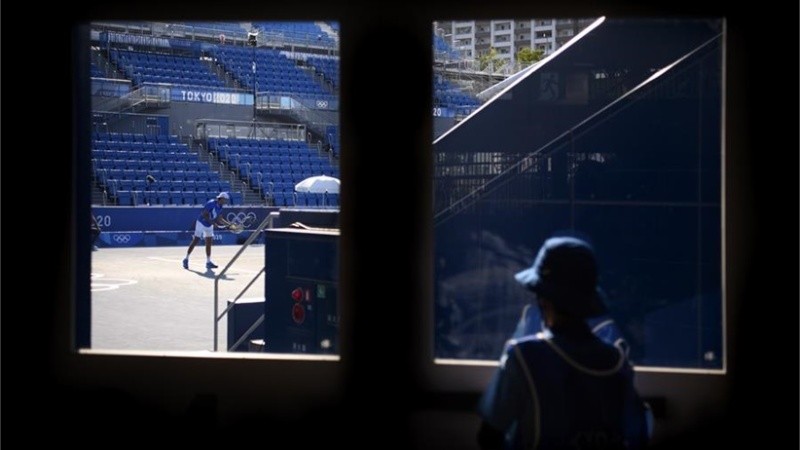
x,y
472,38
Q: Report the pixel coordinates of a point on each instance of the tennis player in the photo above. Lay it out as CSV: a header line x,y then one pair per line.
x,y
210,215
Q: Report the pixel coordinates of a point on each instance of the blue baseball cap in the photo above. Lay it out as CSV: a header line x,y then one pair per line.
x,y
565,273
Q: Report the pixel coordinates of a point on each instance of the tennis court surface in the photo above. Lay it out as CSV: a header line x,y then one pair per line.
x,y
142,299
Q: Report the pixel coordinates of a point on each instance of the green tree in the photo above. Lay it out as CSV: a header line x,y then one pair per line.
x,y
490,60
527,56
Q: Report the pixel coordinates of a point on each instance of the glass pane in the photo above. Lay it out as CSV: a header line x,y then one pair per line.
x,y
615,136
196,126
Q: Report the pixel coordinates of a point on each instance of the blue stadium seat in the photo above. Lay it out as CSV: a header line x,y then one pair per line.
x,y
281,199
164,197
189,198
332,200
150,197
138,198
201,197
123,198
189,185
125,185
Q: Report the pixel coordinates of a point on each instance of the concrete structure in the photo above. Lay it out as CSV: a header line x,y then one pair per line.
x,y
473,38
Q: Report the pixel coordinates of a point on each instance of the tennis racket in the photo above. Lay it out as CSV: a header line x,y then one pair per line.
x,y
235,228
241,223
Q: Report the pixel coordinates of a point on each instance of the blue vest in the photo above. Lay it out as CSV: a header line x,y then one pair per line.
x,y
565,393
604,327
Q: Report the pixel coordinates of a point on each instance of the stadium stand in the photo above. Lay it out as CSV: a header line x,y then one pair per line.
x,y
215,28
274,71
147,67
327,68
299,32
122,162
96,72
448,95
275,166
194,54
442,49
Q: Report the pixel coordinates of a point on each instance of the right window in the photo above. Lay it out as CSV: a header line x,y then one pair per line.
x,y
615,135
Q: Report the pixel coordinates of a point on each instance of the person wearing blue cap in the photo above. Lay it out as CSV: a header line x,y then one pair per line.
x,y
204,227
601,322
563,387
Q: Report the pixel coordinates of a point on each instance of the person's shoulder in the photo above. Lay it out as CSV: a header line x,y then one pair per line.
x,y
532,347
529,341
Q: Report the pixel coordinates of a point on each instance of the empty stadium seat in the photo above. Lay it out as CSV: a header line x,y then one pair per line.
x,y
124,198
125,163
164,197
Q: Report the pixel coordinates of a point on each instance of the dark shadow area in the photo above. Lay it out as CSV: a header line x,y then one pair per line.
x,y
209,273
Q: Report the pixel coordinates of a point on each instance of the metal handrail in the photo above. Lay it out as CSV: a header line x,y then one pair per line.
x,y
217,316
528,161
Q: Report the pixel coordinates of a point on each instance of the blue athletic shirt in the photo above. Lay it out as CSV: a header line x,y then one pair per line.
x,y
213,209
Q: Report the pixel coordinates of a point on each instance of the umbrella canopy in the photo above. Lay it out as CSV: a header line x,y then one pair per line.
x,y
318,185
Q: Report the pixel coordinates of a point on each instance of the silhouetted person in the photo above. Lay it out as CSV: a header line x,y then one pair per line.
x,y
95,229
563,387
603,326
149,179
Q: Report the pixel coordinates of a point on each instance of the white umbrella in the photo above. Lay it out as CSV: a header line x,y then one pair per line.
x,y
318,185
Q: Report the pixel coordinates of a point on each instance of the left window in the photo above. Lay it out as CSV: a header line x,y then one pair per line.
x,y
210,140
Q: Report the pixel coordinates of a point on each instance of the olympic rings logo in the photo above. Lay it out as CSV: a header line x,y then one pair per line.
x,y
322,103
121,238
241,217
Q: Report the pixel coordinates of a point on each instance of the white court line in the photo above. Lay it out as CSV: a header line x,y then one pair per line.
x,y
169,260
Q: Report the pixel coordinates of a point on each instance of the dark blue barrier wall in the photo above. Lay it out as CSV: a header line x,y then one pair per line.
x,y
301,308
159,226
183,115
